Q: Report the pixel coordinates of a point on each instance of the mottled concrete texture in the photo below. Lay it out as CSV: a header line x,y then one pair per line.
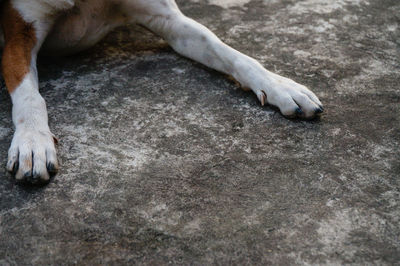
x,y
165,161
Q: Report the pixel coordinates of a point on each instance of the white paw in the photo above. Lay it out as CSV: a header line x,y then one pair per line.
x,y
32,156
292,99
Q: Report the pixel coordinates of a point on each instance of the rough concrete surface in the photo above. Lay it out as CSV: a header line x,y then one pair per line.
x,y
165,161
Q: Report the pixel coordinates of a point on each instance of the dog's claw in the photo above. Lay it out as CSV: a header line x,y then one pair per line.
x,y
34,178
262,97
319,110
262,100
298,111
52,169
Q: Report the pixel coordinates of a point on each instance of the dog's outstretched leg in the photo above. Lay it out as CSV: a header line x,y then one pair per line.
x,y
32,155
195,41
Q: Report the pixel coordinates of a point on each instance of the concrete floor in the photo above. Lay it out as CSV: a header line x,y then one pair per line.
x,y
165,161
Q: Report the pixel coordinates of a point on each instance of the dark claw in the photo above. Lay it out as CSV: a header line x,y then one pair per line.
x,y
299,111
35,178
14,168
28,174
319,110
27,177
51,168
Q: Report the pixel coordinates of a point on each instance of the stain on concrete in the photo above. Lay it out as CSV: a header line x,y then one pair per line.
x,y
165,161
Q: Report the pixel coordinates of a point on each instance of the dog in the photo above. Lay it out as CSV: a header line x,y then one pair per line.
x,y
69,26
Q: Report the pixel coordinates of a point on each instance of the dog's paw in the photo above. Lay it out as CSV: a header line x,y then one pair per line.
x,y
292,99
32,156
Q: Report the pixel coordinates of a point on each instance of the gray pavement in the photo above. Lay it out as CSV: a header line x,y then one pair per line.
x,y
165,161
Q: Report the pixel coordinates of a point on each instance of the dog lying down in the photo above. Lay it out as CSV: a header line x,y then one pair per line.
x,y
68,26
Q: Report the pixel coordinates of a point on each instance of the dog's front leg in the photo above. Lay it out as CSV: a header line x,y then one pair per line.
x,y
195,41
32,155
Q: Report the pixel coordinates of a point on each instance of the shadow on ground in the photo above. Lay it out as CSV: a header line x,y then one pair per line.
x,y
165,161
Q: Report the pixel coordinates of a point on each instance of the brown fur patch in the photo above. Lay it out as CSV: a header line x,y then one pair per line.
x,y
19,39
28,163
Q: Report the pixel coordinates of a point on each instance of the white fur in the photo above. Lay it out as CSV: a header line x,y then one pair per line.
x,y
89,21
33,143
